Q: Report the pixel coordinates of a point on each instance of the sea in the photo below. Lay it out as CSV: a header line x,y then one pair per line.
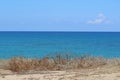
x,y
41,44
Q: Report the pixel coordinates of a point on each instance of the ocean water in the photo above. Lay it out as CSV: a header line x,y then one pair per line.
x,y
40,44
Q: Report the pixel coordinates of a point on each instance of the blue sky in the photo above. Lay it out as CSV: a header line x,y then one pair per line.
x,y
60,15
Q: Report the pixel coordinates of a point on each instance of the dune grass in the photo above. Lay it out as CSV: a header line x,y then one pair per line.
x,y
58,62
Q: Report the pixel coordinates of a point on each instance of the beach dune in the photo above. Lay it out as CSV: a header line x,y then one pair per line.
x,y
86,74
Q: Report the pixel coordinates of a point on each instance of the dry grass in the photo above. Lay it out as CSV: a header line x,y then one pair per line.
x,y
22,64
90,62
59,62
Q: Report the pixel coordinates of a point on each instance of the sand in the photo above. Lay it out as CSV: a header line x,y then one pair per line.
x,y
106,73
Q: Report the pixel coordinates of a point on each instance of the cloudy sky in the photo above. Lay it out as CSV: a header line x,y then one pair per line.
x,y
60,15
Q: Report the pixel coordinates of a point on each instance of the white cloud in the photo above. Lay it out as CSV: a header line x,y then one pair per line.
x,y
100,19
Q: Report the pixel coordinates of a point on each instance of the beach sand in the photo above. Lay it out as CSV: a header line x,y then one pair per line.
x,y
105,73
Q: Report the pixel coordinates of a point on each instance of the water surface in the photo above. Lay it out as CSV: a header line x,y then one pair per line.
x,y
39,44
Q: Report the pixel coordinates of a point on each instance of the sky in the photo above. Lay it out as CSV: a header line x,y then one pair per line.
x,y
60,15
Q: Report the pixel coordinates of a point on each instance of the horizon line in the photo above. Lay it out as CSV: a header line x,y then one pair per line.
x,y
59,31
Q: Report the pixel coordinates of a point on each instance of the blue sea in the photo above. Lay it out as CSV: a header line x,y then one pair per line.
x,y
40,44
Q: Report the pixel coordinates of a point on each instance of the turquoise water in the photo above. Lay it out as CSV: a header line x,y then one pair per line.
x,y
39,44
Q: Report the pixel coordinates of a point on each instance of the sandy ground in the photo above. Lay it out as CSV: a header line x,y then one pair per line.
x,y
108,73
